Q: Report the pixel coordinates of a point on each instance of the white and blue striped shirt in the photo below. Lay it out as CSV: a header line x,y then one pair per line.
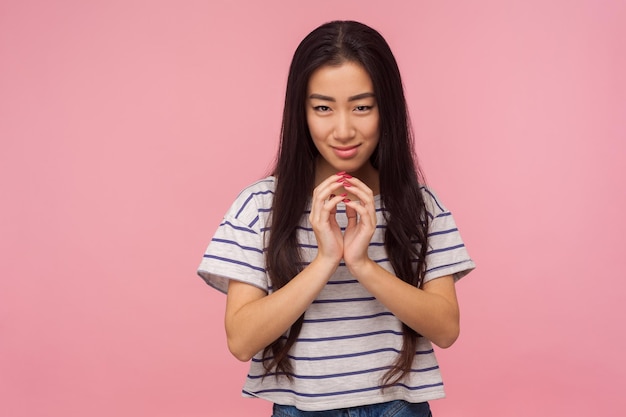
x,y
348,339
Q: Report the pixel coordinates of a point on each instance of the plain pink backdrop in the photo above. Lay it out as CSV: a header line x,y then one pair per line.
x,y
127,128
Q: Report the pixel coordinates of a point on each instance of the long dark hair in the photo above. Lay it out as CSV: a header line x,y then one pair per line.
x,y
407,223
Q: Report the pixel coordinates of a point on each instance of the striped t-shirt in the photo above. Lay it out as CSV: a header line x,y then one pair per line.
x,y
348,340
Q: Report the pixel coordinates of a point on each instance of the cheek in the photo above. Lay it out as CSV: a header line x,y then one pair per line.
x,y
375,132
371,129
376,128
311,125
317,129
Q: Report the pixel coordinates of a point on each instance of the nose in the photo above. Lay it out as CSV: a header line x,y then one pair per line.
x,y
344,129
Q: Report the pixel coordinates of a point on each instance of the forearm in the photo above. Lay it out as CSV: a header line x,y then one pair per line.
x,y
254,321
433,311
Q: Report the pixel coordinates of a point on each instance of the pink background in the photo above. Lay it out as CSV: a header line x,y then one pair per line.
x,y
127,128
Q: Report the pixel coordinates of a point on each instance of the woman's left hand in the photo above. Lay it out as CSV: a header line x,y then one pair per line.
x,y
361,223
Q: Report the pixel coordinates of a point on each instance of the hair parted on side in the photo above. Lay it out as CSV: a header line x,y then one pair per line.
x,y
407,222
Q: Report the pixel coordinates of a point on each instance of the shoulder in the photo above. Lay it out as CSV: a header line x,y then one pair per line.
x,y
434,206
252,200
259,189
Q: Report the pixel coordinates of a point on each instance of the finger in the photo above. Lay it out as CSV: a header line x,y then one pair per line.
x,y
332,180
333,200
352,216
359,189
360,212
326,210
327,189
322,193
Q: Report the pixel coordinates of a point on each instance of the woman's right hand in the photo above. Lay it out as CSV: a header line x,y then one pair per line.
x,y
254,319
323,220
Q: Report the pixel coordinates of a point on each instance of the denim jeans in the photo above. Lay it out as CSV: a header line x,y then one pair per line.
x,y
390,409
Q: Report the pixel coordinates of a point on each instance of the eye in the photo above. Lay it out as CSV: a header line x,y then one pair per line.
x,y
321,109
362,108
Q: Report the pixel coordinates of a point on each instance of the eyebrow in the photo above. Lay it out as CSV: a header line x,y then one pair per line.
x,y
351,98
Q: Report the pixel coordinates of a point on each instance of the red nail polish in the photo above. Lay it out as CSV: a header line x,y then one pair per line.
x,y
341,173
344,194
347,176
346,200
347,184
333,196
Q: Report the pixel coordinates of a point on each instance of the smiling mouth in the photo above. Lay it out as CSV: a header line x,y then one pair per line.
x,y
345,152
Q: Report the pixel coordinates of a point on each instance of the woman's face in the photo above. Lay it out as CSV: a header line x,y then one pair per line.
x,y
342,115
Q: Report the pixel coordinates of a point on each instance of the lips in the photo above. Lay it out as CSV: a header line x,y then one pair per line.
x,y
345,152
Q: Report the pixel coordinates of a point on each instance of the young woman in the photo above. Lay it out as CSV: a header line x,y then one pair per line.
x,y
340,267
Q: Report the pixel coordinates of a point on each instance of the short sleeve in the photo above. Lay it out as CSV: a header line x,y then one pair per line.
x,y
447,254
236,250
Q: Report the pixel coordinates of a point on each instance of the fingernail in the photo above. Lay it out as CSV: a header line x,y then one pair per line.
x,y
347,184
340,180
347,176
344,194
333,196
341,173
346,200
